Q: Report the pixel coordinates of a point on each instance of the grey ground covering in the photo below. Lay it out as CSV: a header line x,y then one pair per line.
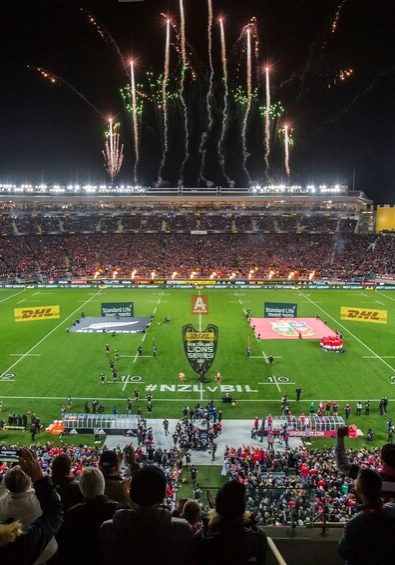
x,y
122,325
235,433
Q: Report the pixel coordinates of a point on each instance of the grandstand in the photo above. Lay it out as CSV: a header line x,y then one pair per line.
x,y
229,232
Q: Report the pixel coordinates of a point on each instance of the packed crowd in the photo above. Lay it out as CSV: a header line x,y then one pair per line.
x,y
296,486
57,256
145,220
111,504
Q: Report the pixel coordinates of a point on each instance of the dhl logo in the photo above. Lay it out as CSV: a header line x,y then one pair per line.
x,y
200,336
36,313
363,315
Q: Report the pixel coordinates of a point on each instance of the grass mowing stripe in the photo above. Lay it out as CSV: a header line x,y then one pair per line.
x,y
386,296
47,335
348,331
12,295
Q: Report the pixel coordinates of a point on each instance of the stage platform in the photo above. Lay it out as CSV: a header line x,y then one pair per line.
x,y
124,325
289,328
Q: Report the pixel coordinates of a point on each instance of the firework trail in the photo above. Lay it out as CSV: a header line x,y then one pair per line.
x,y
60,81
184,63
113,151
360,96
135,125
338,15
286,150
221,151
205,134
106,36
165,82
267,118
249,104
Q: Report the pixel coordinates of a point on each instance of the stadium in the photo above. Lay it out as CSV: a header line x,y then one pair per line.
x,y
197,276
78,264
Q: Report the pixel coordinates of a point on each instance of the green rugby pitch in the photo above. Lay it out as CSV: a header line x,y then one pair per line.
x,y
41,364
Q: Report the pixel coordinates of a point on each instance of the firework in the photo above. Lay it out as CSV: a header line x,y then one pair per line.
x,y
205,134
221,150
267,117
338,14
56,80
113,151
184,65
249,104
105,36
135,126
165,82
286,150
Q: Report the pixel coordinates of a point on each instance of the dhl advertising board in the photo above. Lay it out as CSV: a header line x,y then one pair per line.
x,y
36,313
385,218
363,315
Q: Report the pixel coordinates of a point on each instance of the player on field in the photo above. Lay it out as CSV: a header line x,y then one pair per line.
x,y
102,378
107,349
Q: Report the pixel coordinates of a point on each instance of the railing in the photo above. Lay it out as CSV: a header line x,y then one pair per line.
x,y
274,552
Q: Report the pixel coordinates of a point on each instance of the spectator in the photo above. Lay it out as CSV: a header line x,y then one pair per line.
x,y
66,485
82,522
387,472
148,533
369,537
20,502
24,548
110,466
192,514
230,539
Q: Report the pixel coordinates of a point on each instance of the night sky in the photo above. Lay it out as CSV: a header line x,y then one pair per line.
x,y
49,134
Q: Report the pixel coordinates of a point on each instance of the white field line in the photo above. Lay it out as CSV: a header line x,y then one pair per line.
x,y
260,357
380,357
135,357
35,293
200,322
187,399
23,300
355,337
24,354
12,295
275,383
378,302
126,382
44,338
384,294
364,294
157,304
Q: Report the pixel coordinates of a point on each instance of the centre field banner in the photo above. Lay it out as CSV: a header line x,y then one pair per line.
x,y
117,309
199,304
200,346
280,310
363,315
36,313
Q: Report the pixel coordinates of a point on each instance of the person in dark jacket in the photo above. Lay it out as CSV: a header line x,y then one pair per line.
x,y
369,537
146,534
82,522
387,472
23,548
230,539
67,486
116,484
